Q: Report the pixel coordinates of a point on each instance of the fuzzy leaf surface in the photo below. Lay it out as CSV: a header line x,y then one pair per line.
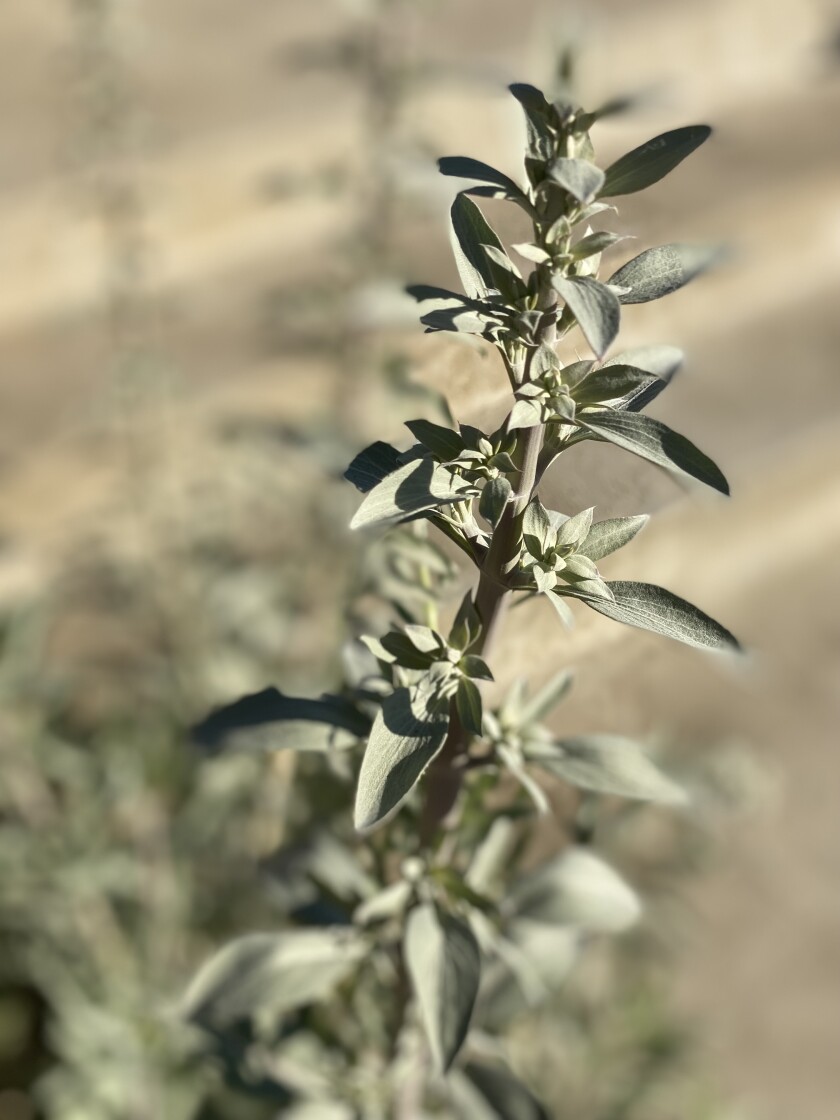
x,y
269,974
444,964
607,764
647,164
463,167
658,272
479,273
595,307
652,440
648,607
577,888
407,733
608,536
413,488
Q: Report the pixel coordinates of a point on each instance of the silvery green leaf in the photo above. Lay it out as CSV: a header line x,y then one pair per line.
x,y
475,667
404,652
462,167
281,722
652,161
377,649
462,320
649,607
467,624
662,361
544,361
525,414
532,963
652,440
607,536
468,703
544,581
548,697
479,274
416,486
407,733
607,764
563,611
593,244
582,179
577,888
595,308
580,567
385,904
444,965
493,855
424,638
264,975
536,523
484,1092
531,252
441,441
513,761
372,465
658,272
611,382
537,109
574,530
500,257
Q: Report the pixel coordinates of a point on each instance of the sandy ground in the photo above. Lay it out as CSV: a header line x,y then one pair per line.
x,y
222,114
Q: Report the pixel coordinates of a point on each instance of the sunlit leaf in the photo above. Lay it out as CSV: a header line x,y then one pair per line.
x,y
417,486
444,965
658,272
647,164
652,440
407,733
607,764
595,308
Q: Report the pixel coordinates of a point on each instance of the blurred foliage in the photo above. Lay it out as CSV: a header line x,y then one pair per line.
x,y
127,855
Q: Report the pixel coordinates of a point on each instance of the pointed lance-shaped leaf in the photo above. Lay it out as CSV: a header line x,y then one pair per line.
x,y
536,109
444,964
494,498
269,974
485,1092
652,440
652,161
595,307
440,440
648,607
463,167
582,179
468,703
662,362
610,535
407,733
479,273
416,486
658,272
611,383
607,764
577,888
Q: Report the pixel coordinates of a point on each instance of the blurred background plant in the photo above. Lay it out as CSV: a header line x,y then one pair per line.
x,y
124,856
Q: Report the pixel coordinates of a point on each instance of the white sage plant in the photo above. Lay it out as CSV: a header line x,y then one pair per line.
x,y
408,941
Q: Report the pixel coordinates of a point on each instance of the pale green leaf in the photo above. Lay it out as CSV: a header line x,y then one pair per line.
x,y
407,733
660,271
652,161
610,535
413,488
265,975
479,274
595,308
649,607
463,167
494,498
547,698
444,964
468,703
607,764
577,888
484,1092
582,179
652,440
441,441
